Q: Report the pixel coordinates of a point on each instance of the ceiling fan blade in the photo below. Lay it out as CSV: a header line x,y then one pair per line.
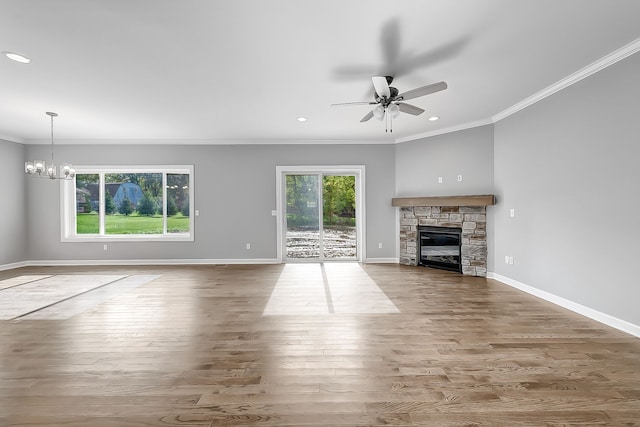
x,y
381,86
352,72
342,104
367,117
391,46
422,91
411,109
409,62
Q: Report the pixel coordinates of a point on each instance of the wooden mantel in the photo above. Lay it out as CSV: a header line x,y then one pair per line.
x,y
483,200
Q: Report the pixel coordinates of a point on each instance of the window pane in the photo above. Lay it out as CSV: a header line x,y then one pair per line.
x,y
137,203
87,204
177,203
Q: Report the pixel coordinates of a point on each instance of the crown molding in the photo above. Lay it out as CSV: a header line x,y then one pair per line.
x,y
60,141
599,65
457,128
583,73
579,75
9,138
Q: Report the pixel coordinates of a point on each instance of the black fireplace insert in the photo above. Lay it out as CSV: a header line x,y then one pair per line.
x,y
440,247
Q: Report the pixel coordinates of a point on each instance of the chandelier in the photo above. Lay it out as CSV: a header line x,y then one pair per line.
x,y
39,169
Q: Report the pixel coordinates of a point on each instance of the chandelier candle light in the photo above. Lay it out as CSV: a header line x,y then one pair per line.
x,y
39,169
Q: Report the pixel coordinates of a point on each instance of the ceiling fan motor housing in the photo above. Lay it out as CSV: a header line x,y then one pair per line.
x,y
393,93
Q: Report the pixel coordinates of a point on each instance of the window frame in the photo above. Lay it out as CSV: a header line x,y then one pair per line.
x,y
68,204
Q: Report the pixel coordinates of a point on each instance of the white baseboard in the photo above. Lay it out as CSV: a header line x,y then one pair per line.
x,y
53,263
13,265
76,262
596,315
382,261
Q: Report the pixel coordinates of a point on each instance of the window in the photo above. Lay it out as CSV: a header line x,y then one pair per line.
x,y
128,203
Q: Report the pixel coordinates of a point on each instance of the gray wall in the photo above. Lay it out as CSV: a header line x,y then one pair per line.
x,y
568,165
234,192
13,222
468,152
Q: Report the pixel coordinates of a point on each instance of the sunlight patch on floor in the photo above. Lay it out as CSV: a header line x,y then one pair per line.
x,y
21,280
61,296
325,289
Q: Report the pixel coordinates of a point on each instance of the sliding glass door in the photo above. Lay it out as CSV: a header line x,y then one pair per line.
x,y
321,217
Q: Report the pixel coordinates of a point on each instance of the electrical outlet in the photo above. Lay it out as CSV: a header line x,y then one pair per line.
x,y
197,212
460,177
512,213
439,180
510,260
248,245
379,245
506,259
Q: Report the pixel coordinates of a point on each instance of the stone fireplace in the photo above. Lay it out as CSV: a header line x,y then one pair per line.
x,y
457,212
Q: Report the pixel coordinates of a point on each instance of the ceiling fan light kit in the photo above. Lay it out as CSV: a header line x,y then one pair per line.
x,y
388,100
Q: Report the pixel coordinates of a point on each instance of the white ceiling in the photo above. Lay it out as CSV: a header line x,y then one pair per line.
x,y
207,71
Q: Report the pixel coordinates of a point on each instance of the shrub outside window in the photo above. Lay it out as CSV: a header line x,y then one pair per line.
x,y
129,203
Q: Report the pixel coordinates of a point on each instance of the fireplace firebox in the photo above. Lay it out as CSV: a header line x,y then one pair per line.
x,y
440,247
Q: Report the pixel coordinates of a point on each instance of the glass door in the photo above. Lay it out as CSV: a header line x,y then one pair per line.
x,y
339,235
303,217
320,217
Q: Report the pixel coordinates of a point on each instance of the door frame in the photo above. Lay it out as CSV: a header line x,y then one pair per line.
x,y
357,170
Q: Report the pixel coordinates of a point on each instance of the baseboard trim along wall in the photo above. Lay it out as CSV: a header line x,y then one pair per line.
x,y
382,261
13,265
71,262
596,315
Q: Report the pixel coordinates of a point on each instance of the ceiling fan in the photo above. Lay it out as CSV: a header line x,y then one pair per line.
x,y
388,100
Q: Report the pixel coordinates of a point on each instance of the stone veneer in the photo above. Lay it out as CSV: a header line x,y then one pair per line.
x,y
472,220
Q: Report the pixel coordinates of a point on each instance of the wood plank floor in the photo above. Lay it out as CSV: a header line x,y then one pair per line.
x,y
195,347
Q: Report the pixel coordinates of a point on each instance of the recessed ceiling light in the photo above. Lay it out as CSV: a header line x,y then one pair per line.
x,y
302,119
16,57
433,118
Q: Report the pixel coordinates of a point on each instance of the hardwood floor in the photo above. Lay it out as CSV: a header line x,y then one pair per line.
x,y
388,345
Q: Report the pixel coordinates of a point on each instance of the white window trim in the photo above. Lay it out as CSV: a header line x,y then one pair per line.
x,y
68,205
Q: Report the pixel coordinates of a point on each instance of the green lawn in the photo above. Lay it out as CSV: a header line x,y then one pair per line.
x,y
132,224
